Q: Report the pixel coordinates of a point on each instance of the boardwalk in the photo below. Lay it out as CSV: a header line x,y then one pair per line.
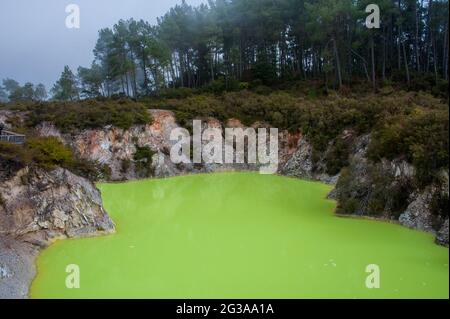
x,y
11,137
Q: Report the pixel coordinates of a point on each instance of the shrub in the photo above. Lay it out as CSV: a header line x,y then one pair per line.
x,y
72,116
221,85
337,158
441,89
125,166
422,137
409,124
13,153
378,193
143,160
144,153
176,93
91,170
49,152
12,158
347,207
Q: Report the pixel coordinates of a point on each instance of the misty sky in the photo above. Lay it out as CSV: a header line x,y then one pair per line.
x,y
35,43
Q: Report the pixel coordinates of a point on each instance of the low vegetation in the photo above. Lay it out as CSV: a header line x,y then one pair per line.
x,y
143,160
413,125
70,117
46,153
377,195
421,136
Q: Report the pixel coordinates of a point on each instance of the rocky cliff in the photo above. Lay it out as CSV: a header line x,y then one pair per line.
x,y
116,147
383,190
36,208
39,206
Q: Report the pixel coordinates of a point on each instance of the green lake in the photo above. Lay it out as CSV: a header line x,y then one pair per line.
x,y
240,235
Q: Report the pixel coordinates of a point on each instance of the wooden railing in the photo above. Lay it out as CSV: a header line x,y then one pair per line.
x,y
11,137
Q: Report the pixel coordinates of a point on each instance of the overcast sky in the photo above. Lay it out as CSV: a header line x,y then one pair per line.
x,y
35,43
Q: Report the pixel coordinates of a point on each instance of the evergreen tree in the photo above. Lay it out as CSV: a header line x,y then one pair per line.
x,y
66,89
267,41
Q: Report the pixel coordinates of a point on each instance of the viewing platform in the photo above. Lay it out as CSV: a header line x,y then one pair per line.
x,y
11,137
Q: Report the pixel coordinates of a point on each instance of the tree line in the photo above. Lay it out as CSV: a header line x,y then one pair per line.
x,y
11,90
226,42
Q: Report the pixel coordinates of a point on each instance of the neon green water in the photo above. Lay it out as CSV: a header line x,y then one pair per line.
x,y
240,235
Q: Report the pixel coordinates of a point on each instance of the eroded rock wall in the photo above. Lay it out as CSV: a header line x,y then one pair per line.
x,y
115,147
362,188
36,208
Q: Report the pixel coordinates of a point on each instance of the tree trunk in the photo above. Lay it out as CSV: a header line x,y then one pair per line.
x,y
338,64
366,72
445,54
144,69
435,59
429,36
408,79
416,36
372,50
383,67
399,40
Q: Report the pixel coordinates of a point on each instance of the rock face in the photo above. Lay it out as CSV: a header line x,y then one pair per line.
x,y
300,164
442,236
363,188
418,215
366,187
420,212
8,117
37,207
163,167
114,147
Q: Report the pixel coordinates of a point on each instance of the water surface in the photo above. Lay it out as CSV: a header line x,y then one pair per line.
x,y
240,235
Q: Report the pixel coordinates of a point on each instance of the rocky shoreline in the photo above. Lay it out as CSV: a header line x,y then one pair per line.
x,y
17,267
38,206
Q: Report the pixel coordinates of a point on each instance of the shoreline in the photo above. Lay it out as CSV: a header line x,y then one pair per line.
x,y
15,252
18,268
146,188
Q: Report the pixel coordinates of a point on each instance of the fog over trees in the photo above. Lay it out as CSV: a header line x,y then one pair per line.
x,y
267,41
11,90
